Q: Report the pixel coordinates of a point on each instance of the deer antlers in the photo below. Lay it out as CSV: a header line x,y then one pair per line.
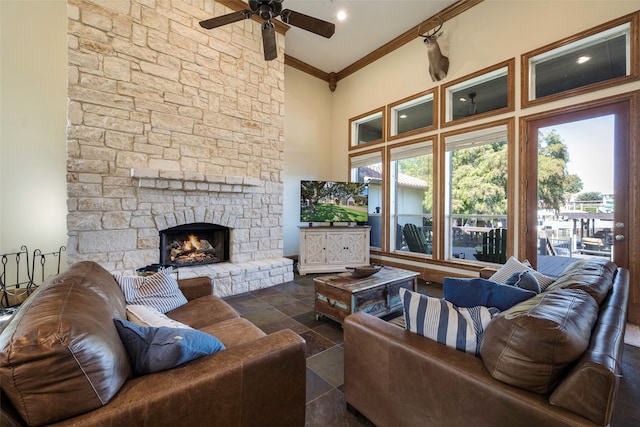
x,y
434,33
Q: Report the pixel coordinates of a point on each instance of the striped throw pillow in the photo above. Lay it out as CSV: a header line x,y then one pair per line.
x,y
514,266
159,291
441,321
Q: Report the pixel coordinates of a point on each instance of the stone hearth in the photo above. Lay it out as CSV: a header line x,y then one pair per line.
x,y
170,124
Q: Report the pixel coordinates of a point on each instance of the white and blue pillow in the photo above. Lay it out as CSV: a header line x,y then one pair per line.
x,y
441,321
159,291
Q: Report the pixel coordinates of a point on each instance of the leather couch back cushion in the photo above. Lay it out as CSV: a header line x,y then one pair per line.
x,y
595,276
61,355
532,344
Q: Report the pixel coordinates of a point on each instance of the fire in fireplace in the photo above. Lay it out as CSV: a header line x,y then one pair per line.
x,y
194,244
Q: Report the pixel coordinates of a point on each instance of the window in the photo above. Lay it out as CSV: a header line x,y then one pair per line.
x,y
591,60
367,168
411,178
412,115
485,93
367,129
476,194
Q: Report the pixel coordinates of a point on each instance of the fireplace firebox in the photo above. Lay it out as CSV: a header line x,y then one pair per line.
x,y
194,244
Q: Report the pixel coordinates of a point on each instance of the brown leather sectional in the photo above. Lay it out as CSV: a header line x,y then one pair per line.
x,y
62,362
523,378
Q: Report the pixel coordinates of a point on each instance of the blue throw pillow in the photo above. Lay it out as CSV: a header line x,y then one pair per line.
x,y
154,349
474,292
524,280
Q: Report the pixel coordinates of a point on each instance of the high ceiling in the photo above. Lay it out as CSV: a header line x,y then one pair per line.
x,y
369,25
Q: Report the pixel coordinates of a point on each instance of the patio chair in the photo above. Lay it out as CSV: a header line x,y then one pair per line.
x,y
494,246
416,240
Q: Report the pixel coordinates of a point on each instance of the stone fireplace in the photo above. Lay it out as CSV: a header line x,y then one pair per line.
x,y
171,125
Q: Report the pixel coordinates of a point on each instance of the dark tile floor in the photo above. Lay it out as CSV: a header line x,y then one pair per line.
x,y
290,305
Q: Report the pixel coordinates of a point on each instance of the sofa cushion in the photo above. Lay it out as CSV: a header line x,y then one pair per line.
x,y
234,332
203,311
148,316
524,280
159,290
593,275
482,292
61,355
532,344
441,321
154,349
514,266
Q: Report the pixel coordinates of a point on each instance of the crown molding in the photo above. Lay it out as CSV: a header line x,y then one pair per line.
x,y
404,38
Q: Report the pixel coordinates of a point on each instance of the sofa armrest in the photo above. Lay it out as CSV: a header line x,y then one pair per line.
x,y
196,287
258,383
422,382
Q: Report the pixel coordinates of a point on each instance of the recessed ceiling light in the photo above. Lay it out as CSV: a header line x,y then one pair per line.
x,y
583,59
463,99
342,15
403,116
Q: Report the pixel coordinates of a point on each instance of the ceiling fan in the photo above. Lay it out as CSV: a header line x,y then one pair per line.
x,y
267,10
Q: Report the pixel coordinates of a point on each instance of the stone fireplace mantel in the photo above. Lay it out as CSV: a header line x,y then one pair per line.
x,y
191,181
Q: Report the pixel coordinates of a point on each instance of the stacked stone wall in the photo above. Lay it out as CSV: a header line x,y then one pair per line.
x,y
169,122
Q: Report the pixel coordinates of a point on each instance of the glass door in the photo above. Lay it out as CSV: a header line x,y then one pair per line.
x,y
580,187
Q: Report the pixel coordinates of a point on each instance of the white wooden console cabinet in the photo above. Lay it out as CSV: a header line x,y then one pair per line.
x,y
331,249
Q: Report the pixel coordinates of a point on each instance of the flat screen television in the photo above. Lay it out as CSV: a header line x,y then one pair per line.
x,y
332,201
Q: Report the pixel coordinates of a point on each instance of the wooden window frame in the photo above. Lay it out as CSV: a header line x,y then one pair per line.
x,y
356,119
445,103
634,62
512,143
390,108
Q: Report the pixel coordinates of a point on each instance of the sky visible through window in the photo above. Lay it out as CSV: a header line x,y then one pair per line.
x,y
590,145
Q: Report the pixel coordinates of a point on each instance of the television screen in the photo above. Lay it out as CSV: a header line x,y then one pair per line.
x,y
330,201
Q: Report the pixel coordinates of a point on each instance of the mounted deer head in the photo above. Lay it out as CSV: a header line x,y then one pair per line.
x,y
438,63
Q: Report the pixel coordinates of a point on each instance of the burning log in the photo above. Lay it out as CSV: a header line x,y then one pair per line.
x,y
193,251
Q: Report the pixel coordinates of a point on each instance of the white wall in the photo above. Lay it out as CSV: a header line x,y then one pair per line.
x,y
307,144
33,77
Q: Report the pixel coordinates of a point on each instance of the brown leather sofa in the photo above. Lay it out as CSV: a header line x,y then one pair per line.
x,y
62,363
397,378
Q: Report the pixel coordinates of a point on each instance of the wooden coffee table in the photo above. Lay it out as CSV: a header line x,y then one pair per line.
x,y
340,295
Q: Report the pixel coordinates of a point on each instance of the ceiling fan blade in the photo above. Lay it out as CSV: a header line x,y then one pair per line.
x,y
269,41
230,18
309,23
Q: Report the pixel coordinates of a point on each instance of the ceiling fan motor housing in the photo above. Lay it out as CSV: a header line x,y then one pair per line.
x,y
266,9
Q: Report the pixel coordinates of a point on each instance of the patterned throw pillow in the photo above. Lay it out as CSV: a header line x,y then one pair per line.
x,y
524,280
514,266
148,316
441,321
159,290
153,349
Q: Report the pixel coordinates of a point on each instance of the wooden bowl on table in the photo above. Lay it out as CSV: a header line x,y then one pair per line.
x,y
363,271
